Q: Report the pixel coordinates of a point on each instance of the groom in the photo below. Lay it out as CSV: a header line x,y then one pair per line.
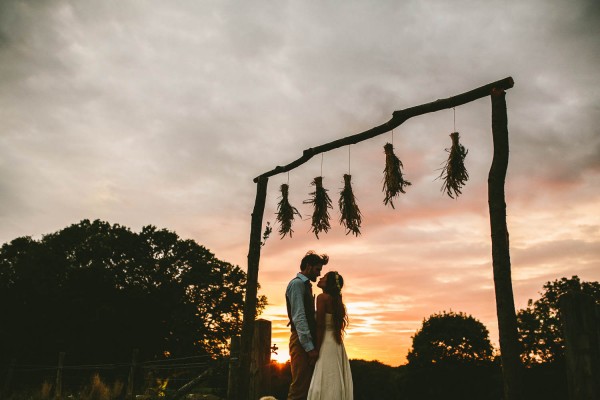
x,y
300,304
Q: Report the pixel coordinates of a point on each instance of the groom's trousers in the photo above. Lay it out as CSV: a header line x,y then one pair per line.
x,y
302,369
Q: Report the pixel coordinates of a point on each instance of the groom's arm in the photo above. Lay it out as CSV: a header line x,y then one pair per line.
x,y
296,296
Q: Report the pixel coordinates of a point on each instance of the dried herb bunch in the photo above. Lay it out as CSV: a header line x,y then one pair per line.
x,y
454,174
285,213
321,203
351,216
393,181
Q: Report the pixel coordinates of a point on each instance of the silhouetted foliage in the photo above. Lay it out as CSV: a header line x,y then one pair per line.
x,y
541,335
374,380
281,377
452,382
539,324
96,291
547,381
450,338
451,358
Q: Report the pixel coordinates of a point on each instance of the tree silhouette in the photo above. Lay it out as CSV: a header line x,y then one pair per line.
x,y
450,338
539,324
451,358
96,291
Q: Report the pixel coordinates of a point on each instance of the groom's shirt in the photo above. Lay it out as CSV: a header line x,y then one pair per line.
x,y
296,294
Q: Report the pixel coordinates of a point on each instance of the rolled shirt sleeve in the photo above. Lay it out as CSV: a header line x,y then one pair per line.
x,y
295,295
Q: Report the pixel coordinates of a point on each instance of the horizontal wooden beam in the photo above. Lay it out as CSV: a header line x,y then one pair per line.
x,y
398,118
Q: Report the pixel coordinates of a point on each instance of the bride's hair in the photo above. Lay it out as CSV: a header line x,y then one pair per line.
x,y
333,287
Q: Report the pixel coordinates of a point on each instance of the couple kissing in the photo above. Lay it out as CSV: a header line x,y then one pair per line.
x,y
319,363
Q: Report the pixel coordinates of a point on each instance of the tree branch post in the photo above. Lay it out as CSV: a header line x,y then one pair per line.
x,y
233,385
59,376
505,305
260,360
132,370
251,287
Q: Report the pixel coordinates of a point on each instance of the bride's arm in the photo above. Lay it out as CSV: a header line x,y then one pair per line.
x,y
320,319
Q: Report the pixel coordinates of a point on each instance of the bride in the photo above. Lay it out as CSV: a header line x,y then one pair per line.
x,y
332,378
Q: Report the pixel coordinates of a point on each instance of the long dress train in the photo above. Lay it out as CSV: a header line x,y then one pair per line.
x,y
332,379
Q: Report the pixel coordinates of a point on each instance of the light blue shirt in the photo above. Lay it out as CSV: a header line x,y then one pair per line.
x,y
295,295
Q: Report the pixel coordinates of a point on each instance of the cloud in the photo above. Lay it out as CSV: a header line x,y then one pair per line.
x,y
163,114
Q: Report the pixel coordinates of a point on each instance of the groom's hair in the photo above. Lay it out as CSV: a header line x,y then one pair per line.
x,y
312,258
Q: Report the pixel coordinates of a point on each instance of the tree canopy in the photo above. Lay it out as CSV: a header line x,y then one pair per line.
x,y
540,328
97,291
450,338
451,358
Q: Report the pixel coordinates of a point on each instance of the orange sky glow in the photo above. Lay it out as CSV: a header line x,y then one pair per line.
x,y
431,256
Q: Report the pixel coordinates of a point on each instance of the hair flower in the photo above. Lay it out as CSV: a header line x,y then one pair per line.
x,y
337,280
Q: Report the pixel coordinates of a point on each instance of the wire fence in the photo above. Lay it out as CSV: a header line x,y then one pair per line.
x,y
154,378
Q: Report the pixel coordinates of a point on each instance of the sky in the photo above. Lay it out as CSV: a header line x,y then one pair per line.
x,y
162,113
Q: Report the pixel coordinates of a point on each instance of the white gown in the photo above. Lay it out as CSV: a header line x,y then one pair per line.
x,y
332,379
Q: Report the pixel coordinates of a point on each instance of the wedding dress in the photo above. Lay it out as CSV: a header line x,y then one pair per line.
x,y
332,379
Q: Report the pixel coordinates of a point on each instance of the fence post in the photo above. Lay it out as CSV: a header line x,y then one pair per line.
x,y
59,370
260,373
581,327
130,380
234,369
8,378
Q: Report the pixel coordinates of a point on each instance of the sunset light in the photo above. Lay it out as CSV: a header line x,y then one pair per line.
x,y
282,357
155,120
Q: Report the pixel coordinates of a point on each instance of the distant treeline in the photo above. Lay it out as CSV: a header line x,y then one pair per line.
x,y
374,380
97,291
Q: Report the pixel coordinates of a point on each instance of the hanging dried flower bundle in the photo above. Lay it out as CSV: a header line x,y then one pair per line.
x,y
351,216
454,174
285,213
321,202
393,181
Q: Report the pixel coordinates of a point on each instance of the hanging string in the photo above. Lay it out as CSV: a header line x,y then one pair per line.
x,y
349,159
454,109
392,137
322,164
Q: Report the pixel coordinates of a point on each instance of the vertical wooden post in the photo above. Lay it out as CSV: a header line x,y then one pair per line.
x,y
234,369
581,328
505,305
252,286
131,379
59,371
8,378
260,373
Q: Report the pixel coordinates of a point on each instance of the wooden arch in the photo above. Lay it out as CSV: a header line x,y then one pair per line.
x,y
505,307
